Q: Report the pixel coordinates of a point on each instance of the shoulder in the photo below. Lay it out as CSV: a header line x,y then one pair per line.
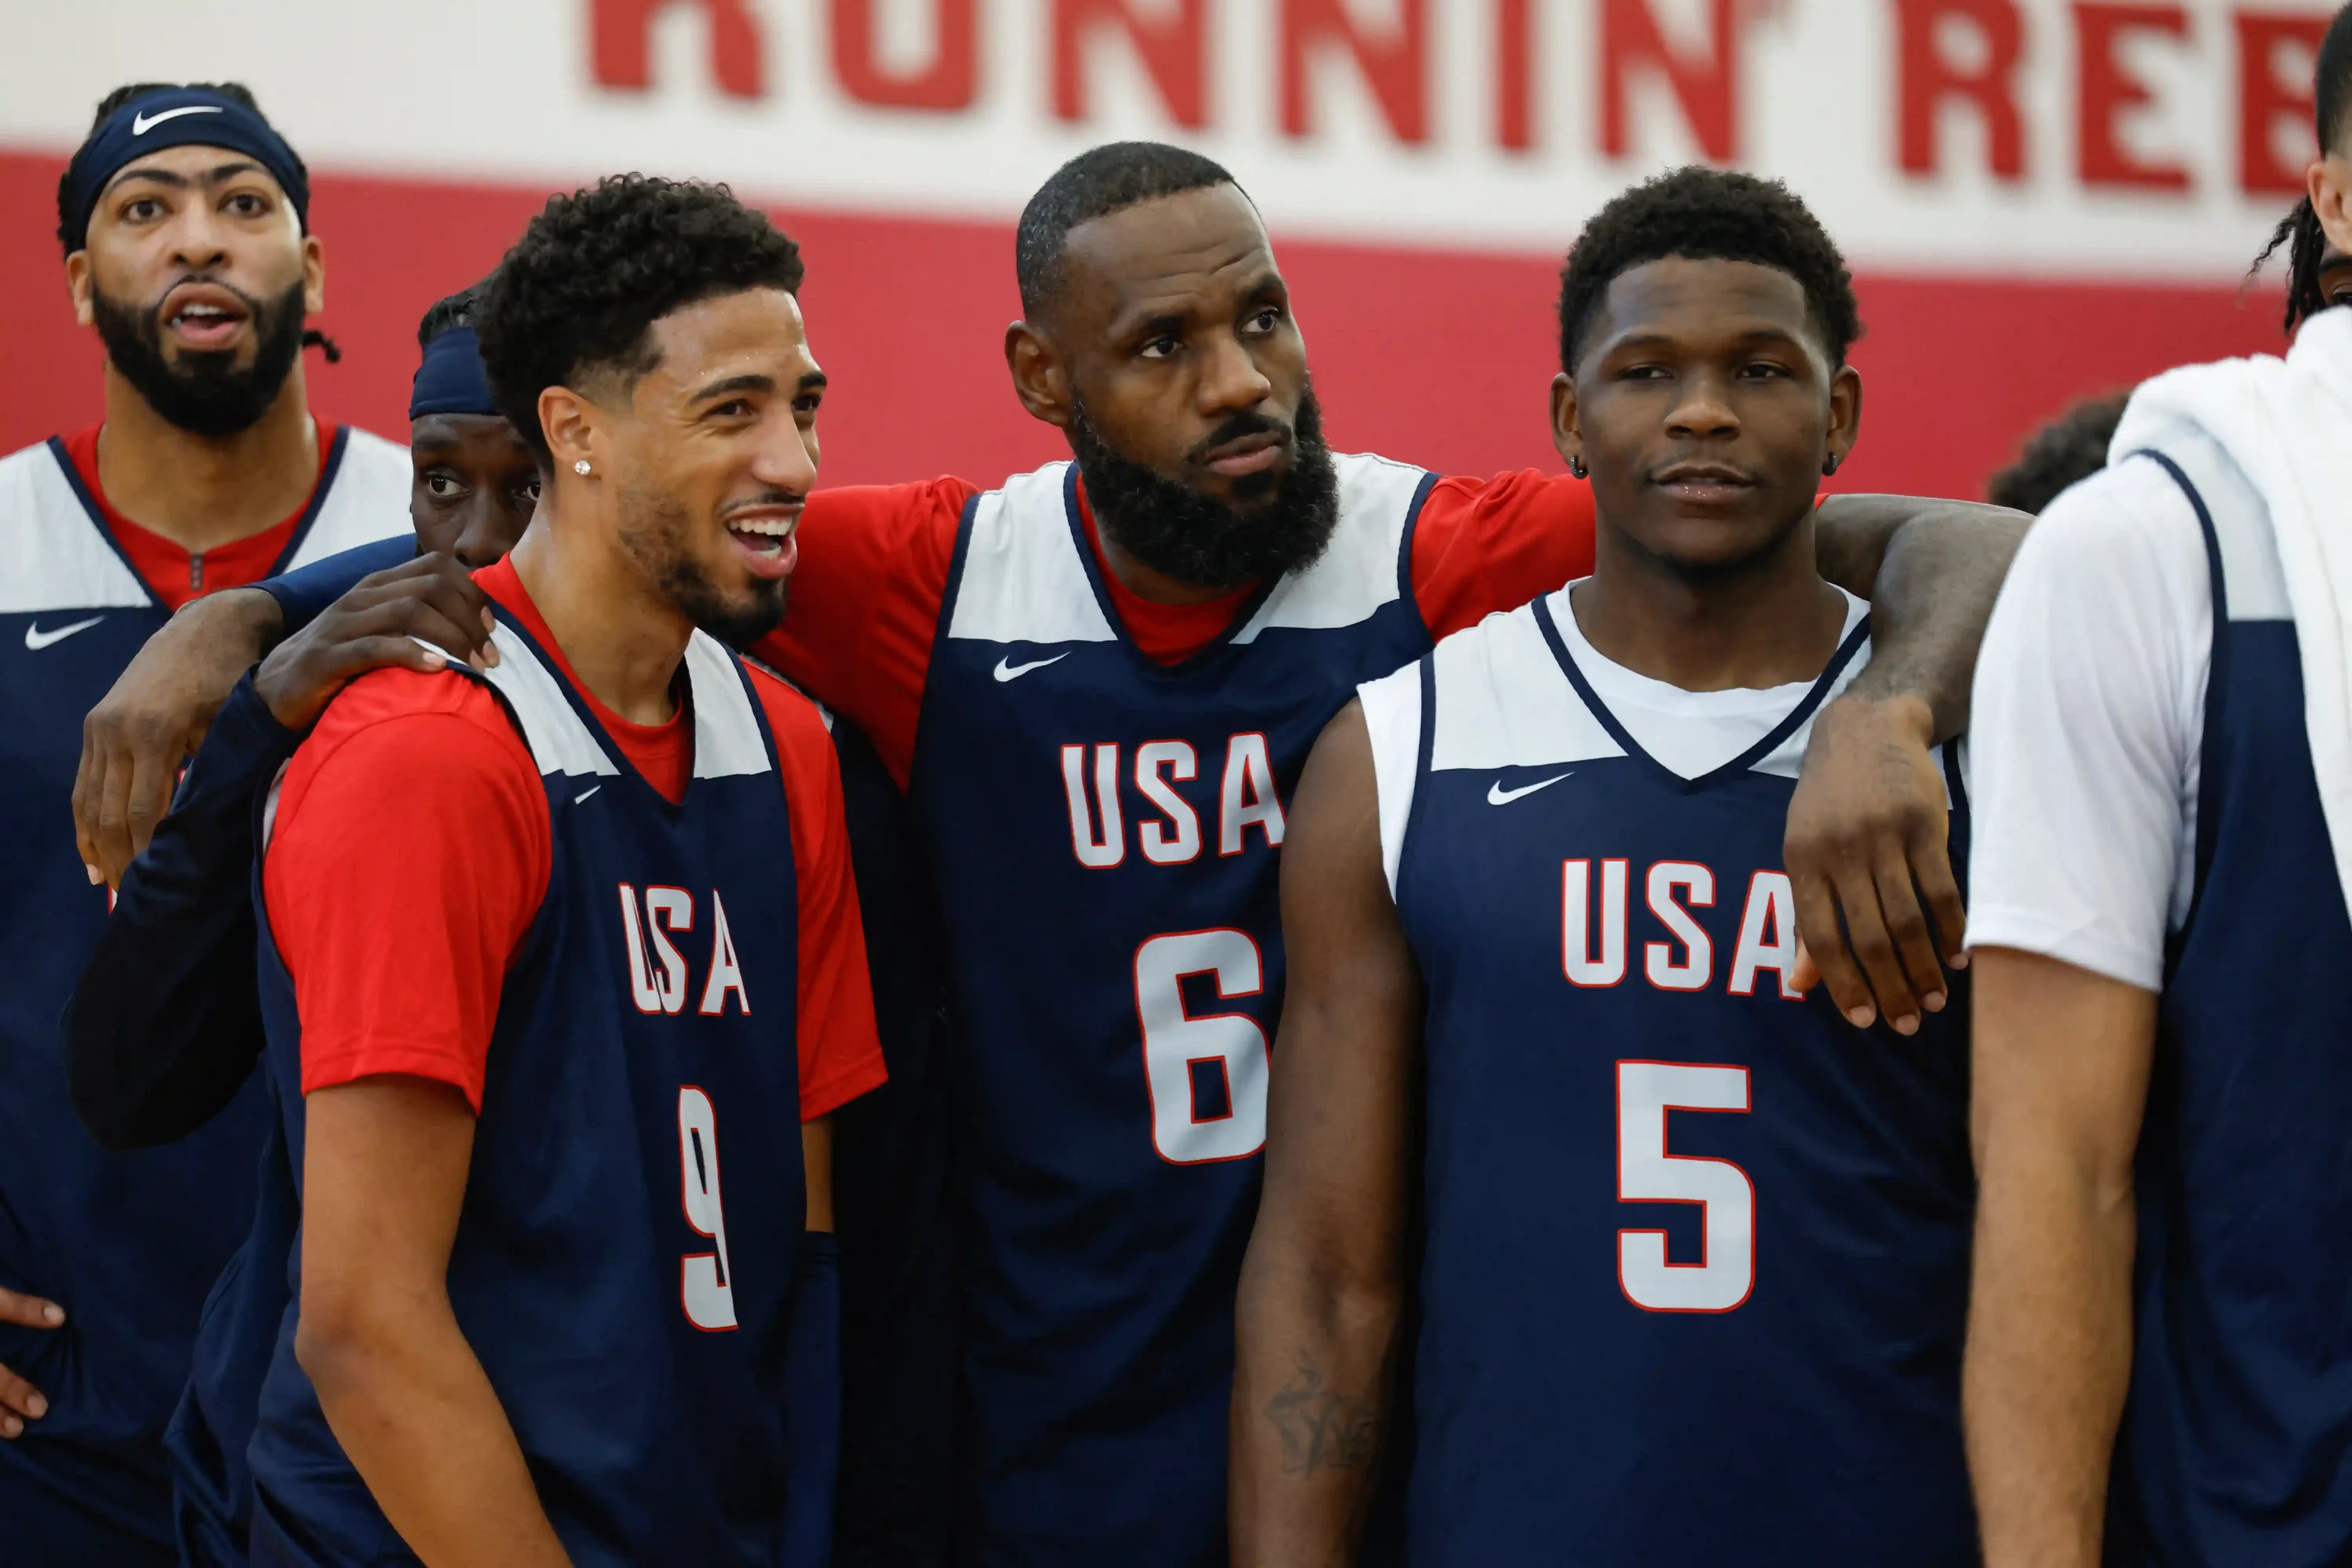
x,y
53,554
797,720
1526,496
366,498
926,504
2125,533
468,727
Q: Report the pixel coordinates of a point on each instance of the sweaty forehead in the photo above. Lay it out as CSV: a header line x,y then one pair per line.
x,y
1714,299
1166,256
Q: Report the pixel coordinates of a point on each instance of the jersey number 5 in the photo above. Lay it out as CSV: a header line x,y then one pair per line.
x,y
1646,1173
1178,1047
705,1281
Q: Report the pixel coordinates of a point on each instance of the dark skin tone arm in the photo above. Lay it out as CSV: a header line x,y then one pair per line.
x,y
152,721
1322,1283
1867,828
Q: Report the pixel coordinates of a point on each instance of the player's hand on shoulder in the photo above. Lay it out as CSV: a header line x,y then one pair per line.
x,y
154,717
19,1401
1878,909
376,627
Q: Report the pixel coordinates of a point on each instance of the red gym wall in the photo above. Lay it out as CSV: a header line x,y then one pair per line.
x,y
2043,201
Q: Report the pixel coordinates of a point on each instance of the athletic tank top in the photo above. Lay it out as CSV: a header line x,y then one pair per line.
x,y
1103,833
629,1310
2237,1437
127,1243
1696,1268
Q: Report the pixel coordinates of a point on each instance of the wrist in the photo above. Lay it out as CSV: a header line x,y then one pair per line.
x,y
1907,711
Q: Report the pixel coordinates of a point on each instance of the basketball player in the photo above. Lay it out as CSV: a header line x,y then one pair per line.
x,y
1696,1256
623,948
165,1025
1117,665
2158,1366
183,218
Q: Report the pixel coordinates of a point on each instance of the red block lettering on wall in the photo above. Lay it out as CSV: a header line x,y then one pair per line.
x,y
619,33
2107,89
1174,50
1930,76
948,83
2269,89
1396,69
1707,87
1515,68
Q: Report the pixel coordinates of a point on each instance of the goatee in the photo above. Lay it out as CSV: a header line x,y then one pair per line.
x,y
207,393
653,529
1202,540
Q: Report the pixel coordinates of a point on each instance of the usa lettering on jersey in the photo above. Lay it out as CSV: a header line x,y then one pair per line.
x,y
658,970
1592,951
1168,831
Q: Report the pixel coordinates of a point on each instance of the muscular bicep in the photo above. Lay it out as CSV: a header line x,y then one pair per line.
x,y
2061,1069
1340,1109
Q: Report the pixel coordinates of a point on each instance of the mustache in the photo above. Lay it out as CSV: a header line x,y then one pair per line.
x,y
1240,426
253,307
765,497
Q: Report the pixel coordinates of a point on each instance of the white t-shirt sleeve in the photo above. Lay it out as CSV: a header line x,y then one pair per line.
x,y
2085,730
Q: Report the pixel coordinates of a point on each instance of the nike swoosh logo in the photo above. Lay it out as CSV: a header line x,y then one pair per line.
x,y
142,123
36,639
1008,670
584,794
1498,796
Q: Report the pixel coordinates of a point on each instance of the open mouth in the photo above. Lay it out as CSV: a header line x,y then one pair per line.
x,y
768,543
204,316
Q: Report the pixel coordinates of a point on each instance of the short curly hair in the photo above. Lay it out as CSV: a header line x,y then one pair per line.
x,y
1707,214
2069,448
578,295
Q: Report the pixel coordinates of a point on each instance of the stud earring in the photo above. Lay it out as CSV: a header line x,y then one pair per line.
x,y
1830,463
581,468
1575,465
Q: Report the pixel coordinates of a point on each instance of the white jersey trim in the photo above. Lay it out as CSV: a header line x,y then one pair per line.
x,y
1022,581
53,554
1357,576
367,500
1393,721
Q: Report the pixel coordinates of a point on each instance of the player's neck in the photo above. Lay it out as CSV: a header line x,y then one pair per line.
x,y
623,639
202,491
1773,624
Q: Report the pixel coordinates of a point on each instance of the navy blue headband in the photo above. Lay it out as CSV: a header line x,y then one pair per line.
x,y
450,379
179,117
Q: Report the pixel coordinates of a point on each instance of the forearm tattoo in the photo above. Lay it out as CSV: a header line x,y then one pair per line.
x,y
1322,1429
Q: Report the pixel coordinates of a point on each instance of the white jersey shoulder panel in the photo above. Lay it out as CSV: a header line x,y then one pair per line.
x,y
560,742
1358,573
367,501
1503,702
1392,723
2252,578
53,554
726,732
1023,580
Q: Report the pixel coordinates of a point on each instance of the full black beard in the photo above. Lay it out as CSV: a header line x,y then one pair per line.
x,y
206,395
1199,540
653,531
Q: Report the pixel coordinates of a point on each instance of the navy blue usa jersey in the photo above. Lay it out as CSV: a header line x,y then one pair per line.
x,y
2237,1439
127,1243
630,1311
1103,833
1696,1253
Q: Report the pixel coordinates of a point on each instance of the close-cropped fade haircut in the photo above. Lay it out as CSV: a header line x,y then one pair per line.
x,y
1707,214
577,296
1097,182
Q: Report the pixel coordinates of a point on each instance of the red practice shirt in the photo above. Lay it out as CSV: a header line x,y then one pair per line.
x,y
874,561
412,850
172,574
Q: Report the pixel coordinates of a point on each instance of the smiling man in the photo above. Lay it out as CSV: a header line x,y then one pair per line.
x,y
1696,1256
531,1326
183,219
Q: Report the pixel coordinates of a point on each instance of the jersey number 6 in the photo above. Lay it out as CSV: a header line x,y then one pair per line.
x,y
1177,1045
1646,1173
705,1280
